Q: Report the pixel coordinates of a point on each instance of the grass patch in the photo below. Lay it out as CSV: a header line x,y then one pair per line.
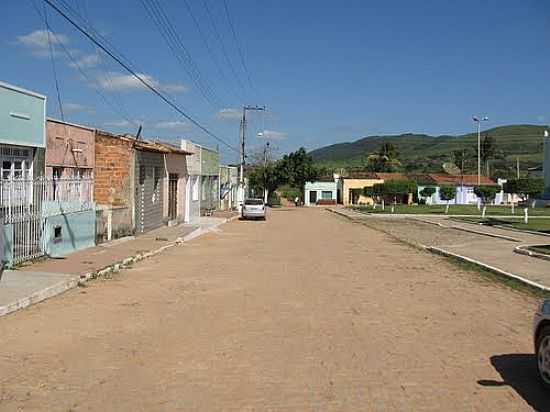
x,y
453,210
544,249
534,225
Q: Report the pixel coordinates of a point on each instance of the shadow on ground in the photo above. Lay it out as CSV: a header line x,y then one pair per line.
x,y
519,371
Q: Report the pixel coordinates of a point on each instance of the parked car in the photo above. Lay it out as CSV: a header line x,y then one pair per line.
x,y
253,209
542,341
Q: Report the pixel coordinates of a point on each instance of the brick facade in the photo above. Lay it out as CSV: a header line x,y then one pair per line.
x,y
113,170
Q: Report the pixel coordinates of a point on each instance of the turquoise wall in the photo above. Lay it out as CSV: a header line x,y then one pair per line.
x,y
22,117
77,229
7,236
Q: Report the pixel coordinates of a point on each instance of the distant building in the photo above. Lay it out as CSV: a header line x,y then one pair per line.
x,y
464,187
203,168
351,187
323,191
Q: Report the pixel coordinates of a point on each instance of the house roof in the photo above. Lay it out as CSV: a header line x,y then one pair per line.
x,y
391,176
423,179
468,180
359,174
147,145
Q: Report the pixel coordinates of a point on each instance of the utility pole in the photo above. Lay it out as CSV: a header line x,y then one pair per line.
x,y
266,149
243,133
517,167
478,120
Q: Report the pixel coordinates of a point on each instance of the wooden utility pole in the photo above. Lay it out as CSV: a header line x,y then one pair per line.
x,y
243,132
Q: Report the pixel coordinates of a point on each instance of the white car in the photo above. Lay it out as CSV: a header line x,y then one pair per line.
x,y
541,338
253,209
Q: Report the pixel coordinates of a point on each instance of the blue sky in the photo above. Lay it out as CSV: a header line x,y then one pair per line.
x,y
327,71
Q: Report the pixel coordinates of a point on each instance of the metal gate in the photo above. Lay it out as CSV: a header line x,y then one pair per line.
x,y
173,196
26,205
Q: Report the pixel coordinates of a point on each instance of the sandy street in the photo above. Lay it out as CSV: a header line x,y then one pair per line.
x,y
304,312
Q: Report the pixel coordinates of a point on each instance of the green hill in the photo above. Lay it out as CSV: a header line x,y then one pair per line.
x,y
424,153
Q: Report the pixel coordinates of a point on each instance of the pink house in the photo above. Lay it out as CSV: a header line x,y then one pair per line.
x,y
70,150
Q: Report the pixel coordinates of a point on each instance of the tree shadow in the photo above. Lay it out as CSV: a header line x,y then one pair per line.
x,y
519,371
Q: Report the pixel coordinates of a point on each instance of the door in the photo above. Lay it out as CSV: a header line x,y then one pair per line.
x,y
173,196
312,197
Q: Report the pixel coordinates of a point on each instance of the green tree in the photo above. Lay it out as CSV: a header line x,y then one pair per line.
x,y
487,194
447,193
296,169
527,187
392,189
264,177
427,193
488,150
384,160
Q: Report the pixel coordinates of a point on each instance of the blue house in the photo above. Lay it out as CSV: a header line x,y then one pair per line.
x,y
38,216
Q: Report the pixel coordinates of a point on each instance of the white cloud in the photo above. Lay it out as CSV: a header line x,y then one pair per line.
x,y
172,125
115,81
37,42
39,39
86,62
74,108
229,113
272,134
118,123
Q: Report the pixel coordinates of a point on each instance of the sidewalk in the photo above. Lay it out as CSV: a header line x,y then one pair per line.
x,y
43,279
490,247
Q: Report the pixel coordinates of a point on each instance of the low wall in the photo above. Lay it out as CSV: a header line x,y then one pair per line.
x,y
121,222
69,232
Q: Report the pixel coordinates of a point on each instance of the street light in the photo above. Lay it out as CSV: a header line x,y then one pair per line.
x,y
478,120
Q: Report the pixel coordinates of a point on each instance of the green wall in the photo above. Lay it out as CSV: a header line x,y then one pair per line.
x,y
22,117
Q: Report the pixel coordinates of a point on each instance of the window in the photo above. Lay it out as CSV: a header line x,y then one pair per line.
x,y
57,172
57,234
326,195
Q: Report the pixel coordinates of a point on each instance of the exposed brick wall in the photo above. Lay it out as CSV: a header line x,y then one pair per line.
x,y
112,174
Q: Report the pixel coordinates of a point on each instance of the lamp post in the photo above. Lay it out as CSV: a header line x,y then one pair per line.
x,y
478,120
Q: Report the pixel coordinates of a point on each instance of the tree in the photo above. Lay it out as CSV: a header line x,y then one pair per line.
x,y
263,177
447,193
460,159
384,160
395,188
487,194
427,193
488,150
296,168
525,188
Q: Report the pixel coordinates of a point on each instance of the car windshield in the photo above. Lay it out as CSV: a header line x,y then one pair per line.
x,y
253,202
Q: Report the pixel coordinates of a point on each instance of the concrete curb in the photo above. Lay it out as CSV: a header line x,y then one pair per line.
x,y
104,272
492,269
522,250
477,232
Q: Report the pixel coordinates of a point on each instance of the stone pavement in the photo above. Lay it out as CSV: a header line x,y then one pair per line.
x,y
42,279
491,246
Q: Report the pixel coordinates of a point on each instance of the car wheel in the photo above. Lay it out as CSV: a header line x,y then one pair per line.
x,y
543,356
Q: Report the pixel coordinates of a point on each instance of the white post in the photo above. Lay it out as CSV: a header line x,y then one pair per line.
x,y
483,212
383,205
110,224
513,210
526,215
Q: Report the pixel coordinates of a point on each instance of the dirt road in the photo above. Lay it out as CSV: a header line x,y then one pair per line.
x,y
303,312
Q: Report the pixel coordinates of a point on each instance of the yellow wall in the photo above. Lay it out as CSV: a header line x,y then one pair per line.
x,y
348,184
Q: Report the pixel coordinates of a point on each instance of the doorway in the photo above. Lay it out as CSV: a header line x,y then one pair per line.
x,y
173,196
313,197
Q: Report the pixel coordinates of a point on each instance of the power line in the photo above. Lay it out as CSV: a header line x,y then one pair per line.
x,y
52,59
181,53
138,77
77,65
220,40
241,54
211,53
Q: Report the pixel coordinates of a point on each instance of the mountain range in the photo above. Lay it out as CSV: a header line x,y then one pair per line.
x,y
425,153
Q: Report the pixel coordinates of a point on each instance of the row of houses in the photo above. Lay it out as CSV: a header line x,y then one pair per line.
x,y
65,186
349,189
